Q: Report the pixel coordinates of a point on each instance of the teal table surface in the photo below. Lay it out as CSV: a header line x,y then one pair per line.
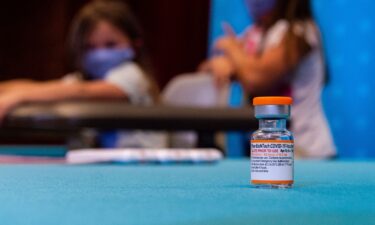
x,y
325,192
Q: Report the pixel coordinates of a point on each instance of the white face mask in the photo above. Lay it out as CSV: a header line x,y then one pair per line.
x,y
259,8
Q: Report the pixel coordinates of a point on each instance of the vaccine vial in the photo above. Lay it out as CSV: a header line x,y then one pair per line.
x,y
272,145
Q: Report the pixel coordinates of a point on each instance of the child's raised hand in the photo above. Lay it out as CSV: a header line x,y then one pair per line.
x,y
228,29
228,42
221,68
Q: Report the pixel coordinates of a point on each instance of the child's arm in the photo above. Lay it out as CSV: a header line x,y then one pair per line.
x,y
53,91
259,73
220,65
77,90
221,68
16,84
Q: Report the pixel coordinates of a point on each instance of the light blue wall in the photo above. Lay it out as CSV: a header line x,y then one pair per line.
x,y
348,29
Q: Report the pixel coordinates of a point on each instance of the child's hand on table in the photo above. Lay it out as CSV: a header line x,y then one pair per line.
x,y
8,101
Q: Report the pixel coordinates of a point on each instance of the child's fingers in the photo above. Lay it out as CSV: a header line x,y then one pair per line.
x,y
228,29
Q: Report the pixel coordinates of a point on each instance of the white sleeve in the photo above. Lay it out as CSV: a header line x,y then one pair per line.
x,y
304,29
276,34
130,78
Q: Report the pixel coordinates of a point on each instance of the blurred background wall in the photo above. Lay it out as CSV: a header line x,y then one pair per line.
x,y
33,36
348,29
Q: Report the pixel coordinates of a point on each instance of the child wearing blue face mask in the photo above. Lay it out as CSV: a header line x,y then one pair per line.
x,y
105,47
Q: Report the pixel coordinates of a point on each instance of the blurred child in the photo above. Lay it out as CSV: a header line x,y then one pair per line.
x,y
106,51
280,55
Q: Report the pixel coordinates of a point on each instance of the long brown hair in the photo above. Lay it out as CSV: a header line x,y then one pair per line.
x,y
119,15
293,11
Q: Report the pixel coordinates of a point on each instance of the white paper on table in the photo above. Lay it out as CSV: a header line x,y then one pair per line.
x,y
129,155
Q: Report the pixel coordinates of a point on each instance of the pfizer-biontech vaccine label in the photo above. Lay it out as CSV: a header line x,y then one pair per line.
x,y
272,161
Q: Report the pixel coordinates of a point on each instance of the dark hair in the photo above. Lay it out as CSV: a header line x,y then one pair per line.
x,y
118,14
293,11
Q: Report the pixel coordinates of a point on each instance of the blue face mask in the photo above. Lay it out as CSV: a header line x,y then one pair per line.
x,y
259,8
98,62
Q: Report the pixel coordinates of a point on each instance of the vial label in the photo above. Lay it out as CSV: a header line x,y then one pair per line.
x,y
272,161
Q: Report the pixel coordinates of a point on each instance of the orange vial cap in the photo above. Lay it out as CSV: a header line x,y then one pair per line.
x,y
272,100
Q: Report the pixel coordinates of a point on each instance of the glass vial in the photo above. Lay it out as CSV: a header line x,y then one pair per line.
x,y
272,145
